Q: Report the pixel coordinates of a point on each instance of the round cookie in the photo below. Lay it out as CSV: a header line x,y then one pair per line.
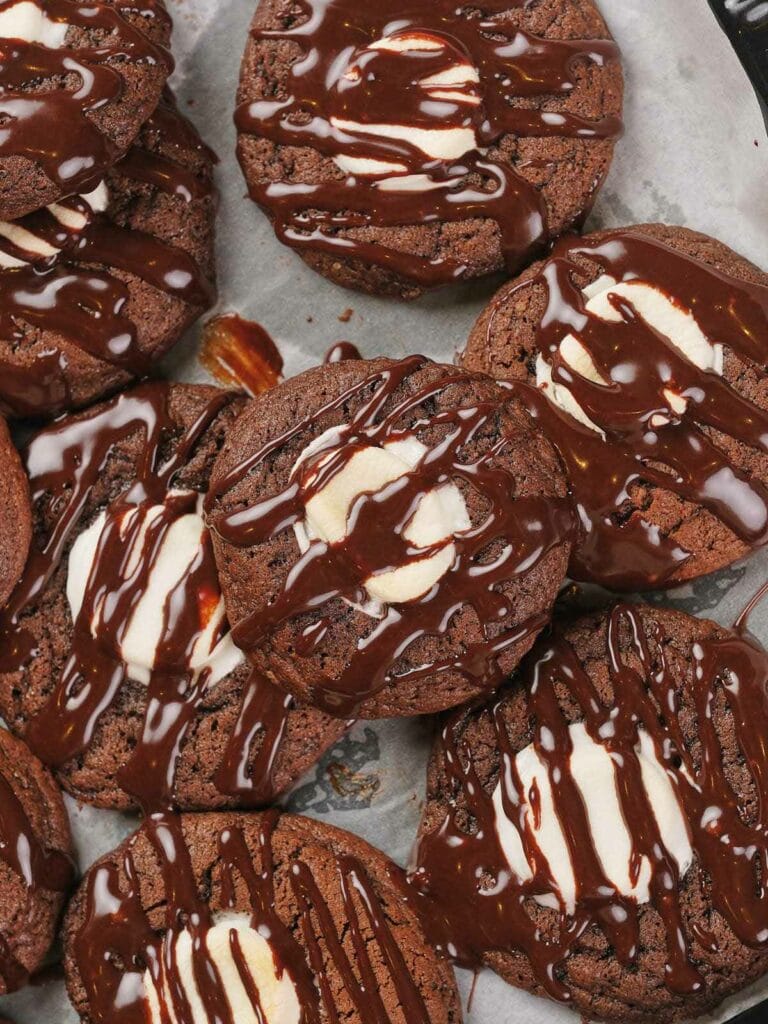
x,y
96,288
409,145
116,664
36,868
76,85
251,917
15,515
610,802
648,348
389,535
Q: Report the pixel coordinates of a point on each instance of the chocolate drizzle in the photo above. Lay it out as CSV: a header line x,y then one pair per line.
x,y
52,127
38,867
646,440
730,842
73,295
340,351
343,78
117,942
64,462
526,530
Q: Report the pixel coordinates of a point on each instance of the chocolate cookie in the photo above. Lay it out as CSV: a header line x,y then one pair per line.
x,y
250,918
35,862
406,145
116,661
96,288
648,346
390,536
15,515
596,833
76,84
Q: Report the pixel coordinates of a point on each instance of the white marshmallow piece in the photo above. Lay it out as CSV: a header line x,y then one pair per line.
x,y
659,312
453,85
74,220
440,515
595,773
28,21
180,548
279,1002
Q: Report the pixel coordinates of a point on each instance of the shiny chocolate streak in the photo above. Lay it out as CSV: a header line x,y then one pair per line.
x,y
63,462
67,295
529,528
38,867
340,351
627,552
52,127
116,942
389,89
470,918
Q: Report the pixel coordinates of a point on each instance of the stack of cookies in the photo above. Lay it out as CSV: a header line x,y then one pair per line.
x,y
202,590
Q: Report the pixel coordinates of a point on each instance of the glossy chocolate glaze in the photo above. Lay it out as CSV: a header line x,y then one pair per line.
x,y
241,353
116,941
529,528
469,919
340,351
386,87
38,867
638,363
51,127
75,293
63,463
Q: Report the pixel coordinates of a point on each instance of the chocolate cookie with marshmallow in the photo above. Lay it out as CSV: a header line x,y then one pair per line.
x,y
641,352
390,535
36,867
95,288
77,82
117,664
410,145
596,833
247,919
15,515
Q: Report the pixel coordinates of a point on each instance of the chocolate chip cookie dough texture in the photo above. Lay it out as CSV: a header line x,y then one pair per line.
x,y
596,832
106,200
405,145
642,352
250,918
390,535
116,660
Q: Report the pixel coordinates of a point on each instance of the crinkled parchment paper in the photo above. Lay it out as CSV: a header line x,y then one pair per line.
x,y
694,153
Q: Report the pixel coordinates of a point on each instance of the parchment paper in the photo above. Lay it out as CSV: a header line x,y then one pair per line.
x,y
694,153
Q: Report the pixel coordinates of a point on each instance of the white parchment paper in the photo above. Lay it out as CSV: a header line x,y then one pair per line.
x,y
695,153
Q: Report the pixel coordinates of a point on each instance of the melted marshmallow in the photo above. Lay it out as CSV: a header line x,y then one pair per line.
x,y
660,313
441,514
455,85
178,552
28,21
278,1001
38,248
595,775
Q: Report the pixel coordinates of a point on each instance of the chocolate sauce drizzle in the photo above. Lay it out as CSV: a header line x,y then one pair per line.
x,y
514,67
526,528
38,867
340,351
117,943
470,919
64,461
619,550
66,295
52,127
